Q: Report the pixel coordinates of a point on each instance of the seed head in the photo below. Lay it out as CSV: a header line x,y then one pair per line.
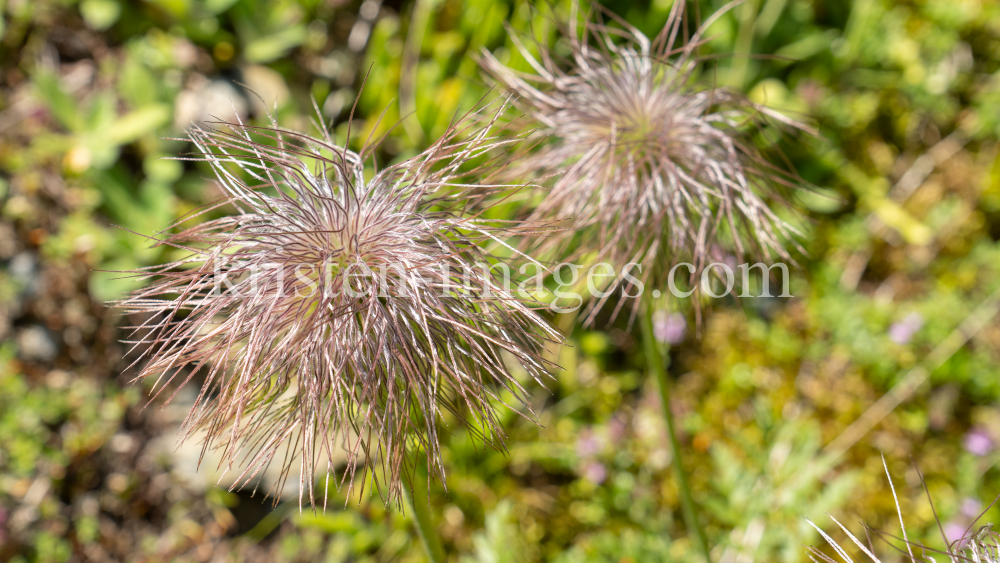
x,y
973,543
645,165
338,313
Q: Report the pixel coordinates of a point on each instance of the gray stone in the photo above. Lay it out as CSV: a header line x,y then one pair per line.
x,y
35,343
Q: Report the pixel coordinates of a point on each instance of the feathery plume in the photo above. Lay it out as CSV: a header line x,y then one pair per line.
x,y
979,546
339,312
646,166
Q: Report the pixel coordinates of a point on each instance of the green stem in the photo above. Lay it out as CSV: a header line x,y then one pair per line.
x,y
657,365
419,502
408,71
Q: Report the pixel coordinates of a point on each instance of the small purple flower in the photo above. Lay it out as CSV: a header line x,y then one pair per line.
x,y
617,428
669,328
970,507
902,332
978,442
588,445
954,531
595,472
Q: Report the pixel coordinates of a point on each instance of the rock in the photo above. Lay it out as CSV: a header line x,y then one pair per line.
x,y
24,269
205,100
269,85
35,343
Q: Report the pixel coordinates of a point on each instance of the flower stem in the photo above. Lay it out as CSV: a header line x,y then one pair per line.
x,y
657,364
419,502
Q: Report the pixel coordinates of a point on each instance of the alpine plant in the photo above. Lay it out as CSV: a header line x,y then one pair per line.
x,y
974,544
338,314
644,165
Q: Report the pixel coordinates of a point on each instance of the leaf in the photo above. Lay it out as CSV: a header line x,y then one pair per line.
x,y
101,112
270,47
100,14
138,123
218,6
60,103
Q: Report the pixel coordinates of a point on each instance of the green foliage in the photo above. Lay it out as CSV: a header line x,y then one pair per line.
x,y
902,222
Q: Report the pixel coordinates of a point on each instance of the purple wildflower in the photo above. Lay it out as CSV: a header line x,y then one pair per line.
x,y
978,442
595,472
902,332
588,444
970,507
954,531
669,328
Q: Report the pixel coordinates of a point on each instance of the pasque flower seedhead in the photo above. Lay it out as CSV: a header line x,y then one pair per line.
x,y
644,165
340,312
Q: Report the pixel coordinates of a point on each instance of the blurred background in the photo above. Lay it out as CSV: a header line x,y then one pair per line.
x,y
894,298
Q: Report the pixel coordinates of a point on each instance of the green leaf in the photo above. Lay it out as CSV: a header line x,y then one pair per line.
x,y
101,112
136,84
100,14
138,123
60,103
270,47
218,6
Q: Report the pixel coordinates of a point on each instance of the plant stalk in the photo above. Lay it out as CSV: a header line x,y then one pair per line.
x,y
418,499
657,364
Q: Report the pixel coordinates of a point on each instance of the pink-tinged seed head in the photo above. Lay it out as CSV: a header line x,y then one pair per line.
x,y
327,319
644,165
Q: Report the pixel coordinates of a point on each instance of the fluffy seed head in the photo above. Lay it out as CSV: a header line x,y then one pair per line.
x,y
977,544
646,166
336,314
